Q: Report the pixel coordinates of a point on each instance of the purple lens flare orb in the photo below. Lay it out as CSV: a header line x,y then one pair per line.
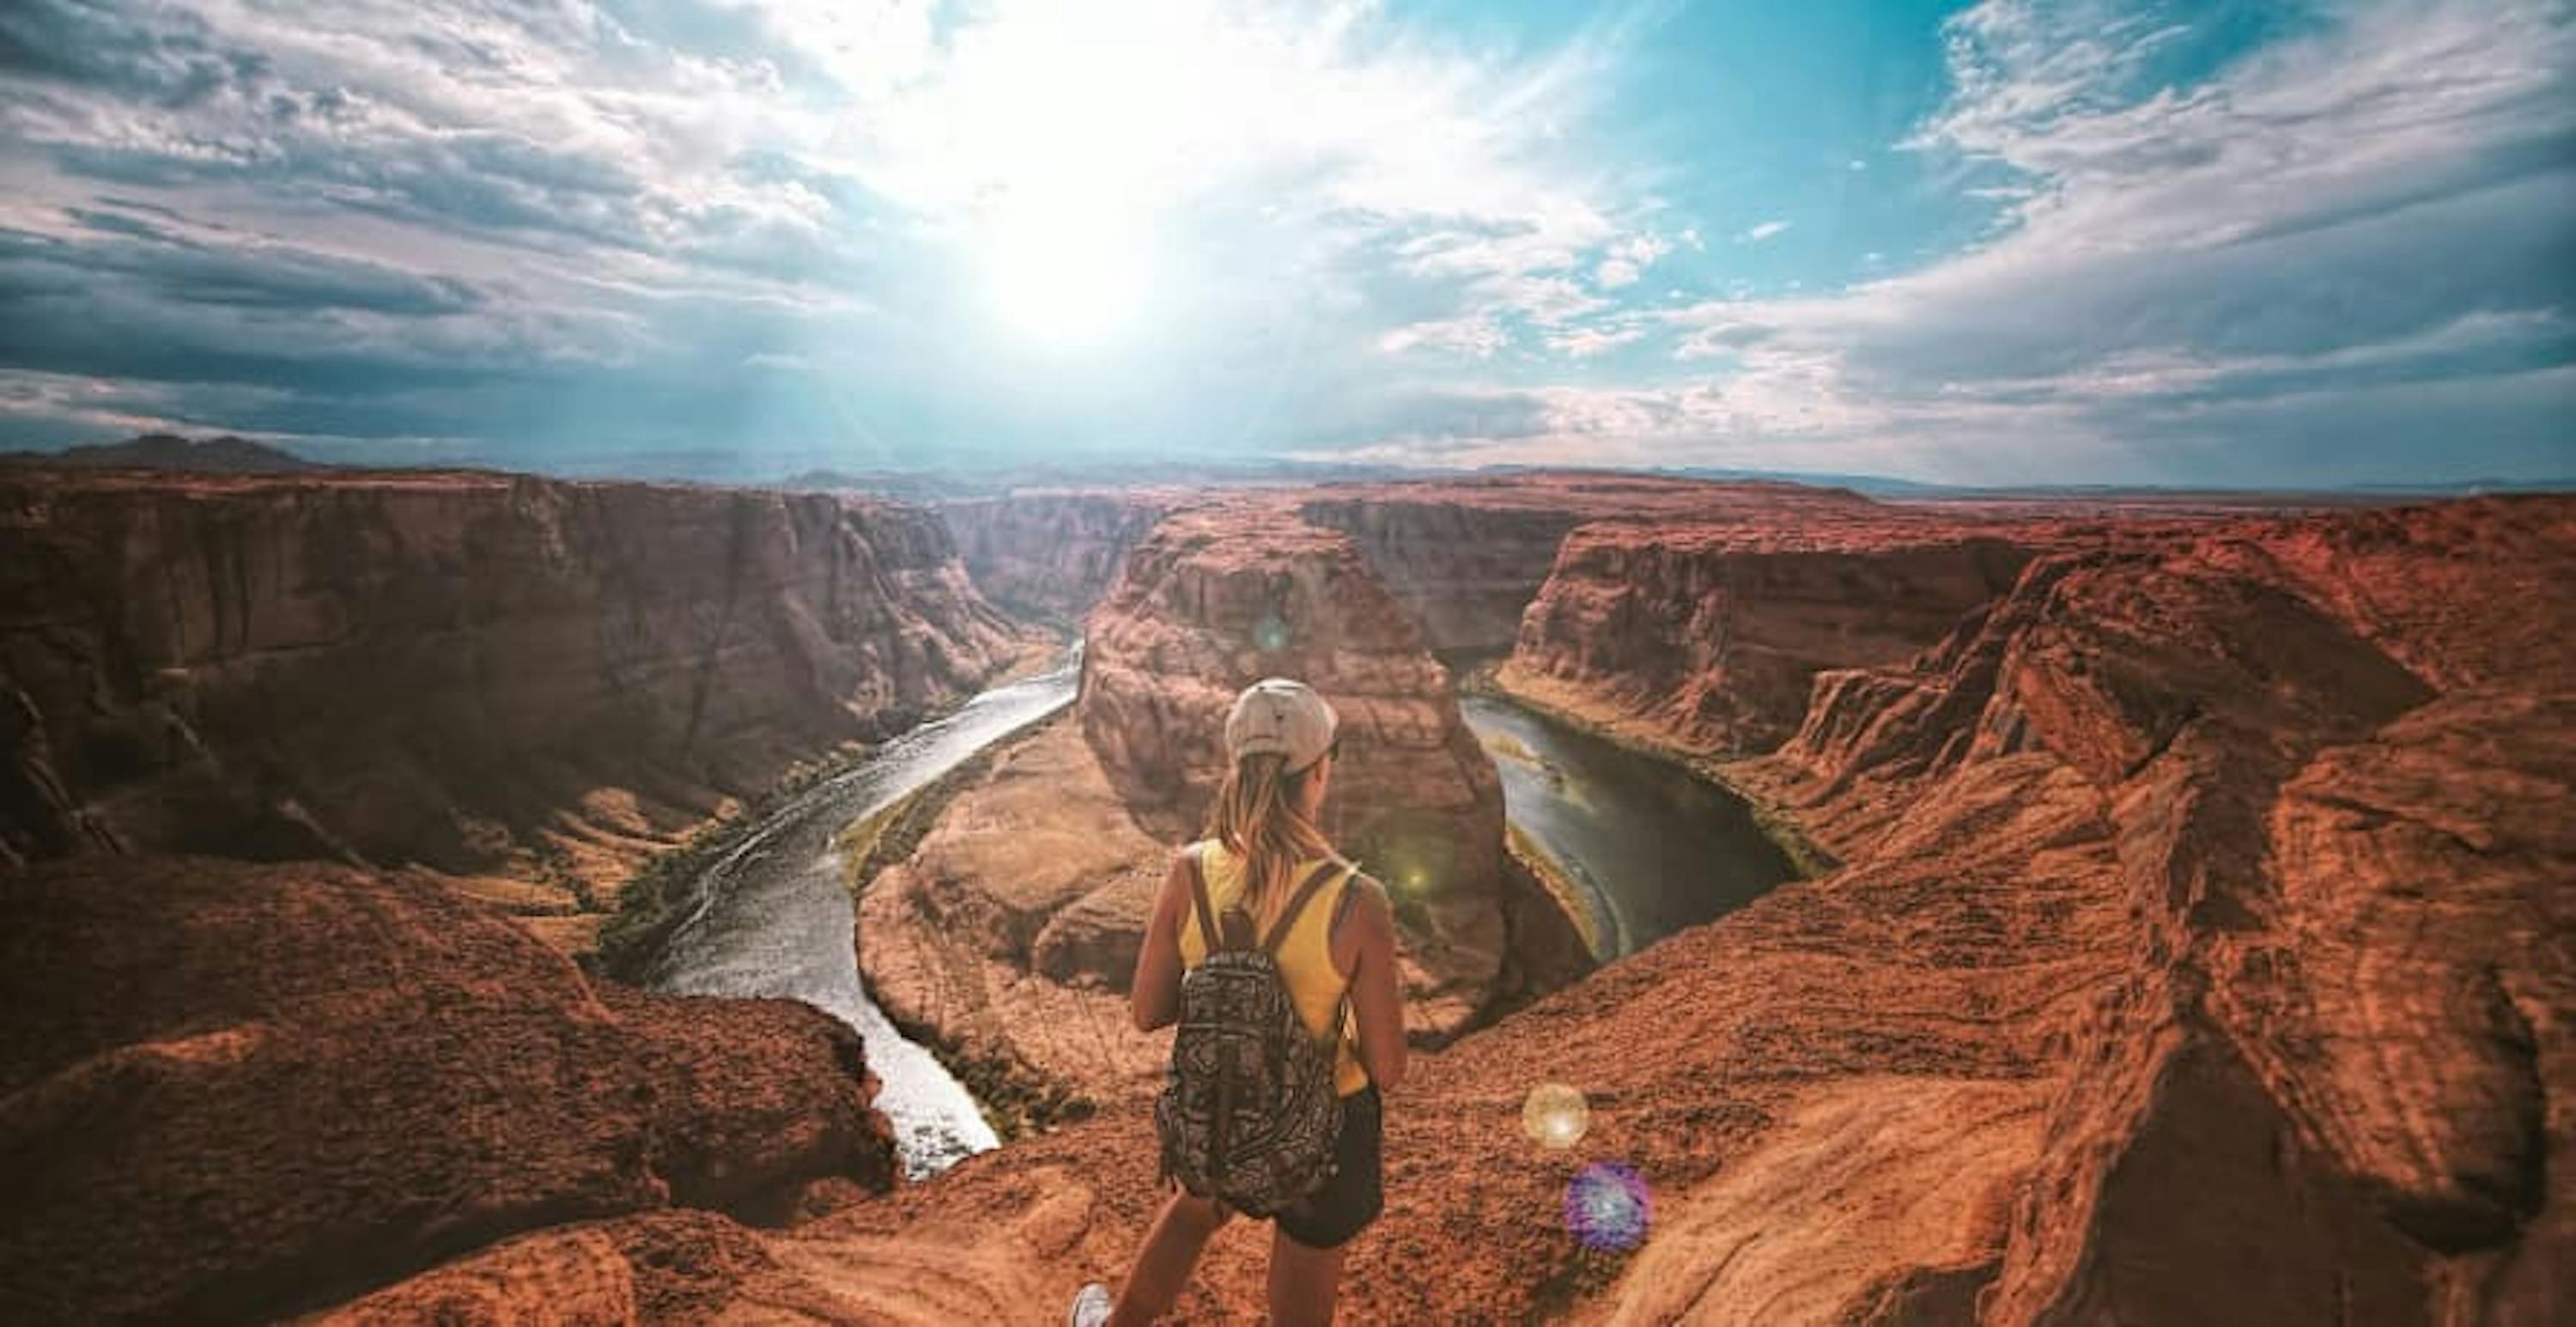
x,y
1606,1207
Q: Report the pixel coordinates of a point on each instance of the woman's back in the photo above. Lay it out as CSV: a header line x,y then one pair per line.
x,y
1316,985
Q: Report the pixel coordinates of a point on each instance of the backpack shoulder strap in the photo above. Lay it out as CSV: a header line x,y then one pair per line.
x,y
1297,904
1199,895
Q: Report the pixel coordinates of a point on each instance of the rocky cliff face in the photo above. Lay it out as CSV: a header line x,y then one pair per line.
x,y
471,672
1464,569
1708,635
234,1091
1225,594
1010,932
2198,956
1468,557
1047,553
2330,760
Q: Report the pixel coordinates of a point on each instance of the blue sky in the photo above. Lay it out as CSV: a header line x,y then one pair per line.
x,y
2018,241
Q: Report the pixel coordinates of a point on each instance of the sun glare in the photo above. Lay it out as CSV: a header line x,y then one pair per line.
x,y
1074,126
1072,276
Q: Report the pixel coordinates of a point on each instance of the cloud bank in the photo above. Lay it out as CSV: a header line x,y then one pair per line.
x,y
2206,243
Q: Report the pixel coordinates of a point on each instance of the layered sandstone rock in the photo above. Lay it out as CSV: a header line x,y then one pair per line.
x,y
1052,554
1708,635
1464,568
2333,757
1467,557
473,672
1011,931
2198,956
232,1090
1228,593
661,1267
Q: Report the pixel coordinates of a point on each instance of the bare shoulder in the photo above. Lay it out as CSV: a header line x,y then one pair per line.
x,y
1366,898
1176,878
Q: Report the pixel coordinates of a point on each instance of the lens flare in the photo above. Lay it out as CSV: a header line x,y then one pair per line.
x,y
1270,634
1555,1116
1606,1206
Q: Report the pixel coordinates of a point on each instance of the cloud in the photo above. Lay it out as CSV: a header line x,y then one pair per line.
x,y
1627,260
2373,203
612,224
1587,342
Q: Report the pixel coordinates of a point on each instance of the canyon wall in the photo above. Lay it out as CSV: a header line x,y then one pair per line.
x,y
1464,569
2198,955
1708,635
2328,1066
477,673
234,1091
1224,594
1467,557
1051,554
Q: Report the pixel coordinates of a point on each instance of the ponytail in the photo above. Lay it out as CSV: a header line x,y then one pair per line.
x,y
1256,817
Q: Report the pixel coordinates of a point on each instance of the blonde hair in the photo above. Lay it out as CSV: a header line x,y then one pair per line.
x,y
1258,816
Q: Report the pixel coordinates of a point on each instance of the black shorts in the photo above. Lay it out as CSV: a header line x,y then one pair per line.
x,y
1352,1198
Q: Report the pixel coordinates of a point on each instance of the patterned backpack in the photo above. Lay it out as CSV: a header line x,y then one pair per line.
x,y
1248,1114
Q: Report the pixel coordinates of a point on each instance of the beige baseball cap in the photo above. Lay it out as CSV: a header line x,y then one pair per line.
x,y
1277,714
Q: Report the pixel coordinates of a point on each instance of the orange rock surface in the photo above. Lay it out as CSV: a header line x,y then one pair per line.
x,y
1052,553
2198,952
1229,592
2198,955
233,1090
1012,929
481,674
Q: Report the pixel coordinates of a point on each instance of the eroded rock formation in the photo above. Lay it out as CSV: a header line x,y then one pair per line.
x,y
1011,931
478,673
233,1090
1707,635
1052,554
1222,595
2198,955
1467,557
2328,1064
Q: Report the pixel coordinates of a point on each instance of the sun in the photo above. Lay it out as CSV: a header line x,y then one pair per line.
x,y
1069,274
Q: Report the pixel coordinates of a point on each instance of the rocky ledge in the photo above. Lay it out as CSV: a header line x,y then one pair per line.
x,y
234,1091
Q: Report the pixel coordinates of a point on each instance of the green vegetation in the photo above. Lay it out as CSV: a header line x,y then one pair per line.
x,y
657,895
872,843
1016,1098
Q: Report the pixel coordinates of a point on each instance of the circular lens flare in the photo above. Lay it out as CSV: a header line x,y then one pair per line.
x,y
1555,1116
1606,1206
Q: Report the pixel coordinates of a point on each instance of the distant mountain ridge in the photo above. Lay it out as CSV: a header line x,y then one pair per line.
x,y
224,454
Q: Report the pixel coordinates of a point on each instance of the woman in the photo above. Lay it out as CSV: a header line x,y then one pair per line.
x,y
1262,840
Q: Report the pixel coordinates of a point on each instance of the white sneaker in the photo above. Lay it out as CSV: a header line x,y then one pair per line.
x,y
1090,1306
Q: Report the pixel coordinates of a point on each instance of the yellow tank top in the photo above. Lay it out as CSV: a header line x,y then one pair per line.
x,y
1305,955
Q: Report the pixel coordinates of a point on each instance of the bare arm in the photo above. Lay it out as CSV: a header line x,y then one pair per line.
x,y
1377,998
1154,999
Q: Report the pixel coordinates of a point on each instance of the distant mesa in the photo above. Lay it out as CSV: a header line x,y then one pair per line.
x,y
224,455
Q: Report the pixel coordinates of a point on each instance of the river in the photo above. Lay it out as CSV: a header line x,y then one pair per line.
x,y
1650,847
773,916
